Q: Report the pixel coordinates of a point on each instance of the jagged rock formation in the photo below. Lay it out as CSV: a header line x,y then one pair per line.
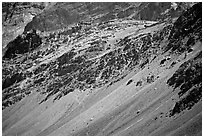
x,y
63,14
106,77
23,44
189,79
15,16
188,26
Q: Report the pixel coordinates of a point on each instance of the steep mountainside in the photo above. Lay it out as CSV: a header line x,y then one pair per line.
x,y
15,16
106,69
63,14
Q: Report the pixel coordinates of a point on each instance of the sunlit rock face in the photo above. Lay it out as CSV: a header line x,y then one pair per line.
x,y
105,69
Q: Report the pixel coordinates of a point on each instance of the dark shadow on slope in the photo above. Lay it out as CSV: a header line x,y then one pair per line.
x,y
22,44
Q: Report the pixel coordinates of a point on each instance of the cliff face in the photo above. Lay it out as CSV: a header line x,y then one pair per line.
x,y
105,77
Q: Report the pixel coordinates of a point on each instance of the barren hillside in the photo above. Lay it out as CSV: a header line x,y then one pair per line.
x,y
105,69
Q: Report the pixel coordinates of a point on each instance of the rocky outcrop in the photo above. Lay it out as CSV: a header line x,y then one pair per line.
x,y
188,79
187,30
23,44
116,76
15,16
73,70
63,14
189,26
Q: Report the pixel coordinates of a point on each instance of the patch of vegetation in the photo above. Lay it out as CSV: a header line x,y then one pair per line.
x,y
162,61
130,81
172,64
139,83
150,79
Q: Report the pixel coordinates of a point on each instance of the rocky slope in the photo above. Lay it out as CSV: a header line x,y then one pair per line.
x,y
63,14
106,76
15,16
